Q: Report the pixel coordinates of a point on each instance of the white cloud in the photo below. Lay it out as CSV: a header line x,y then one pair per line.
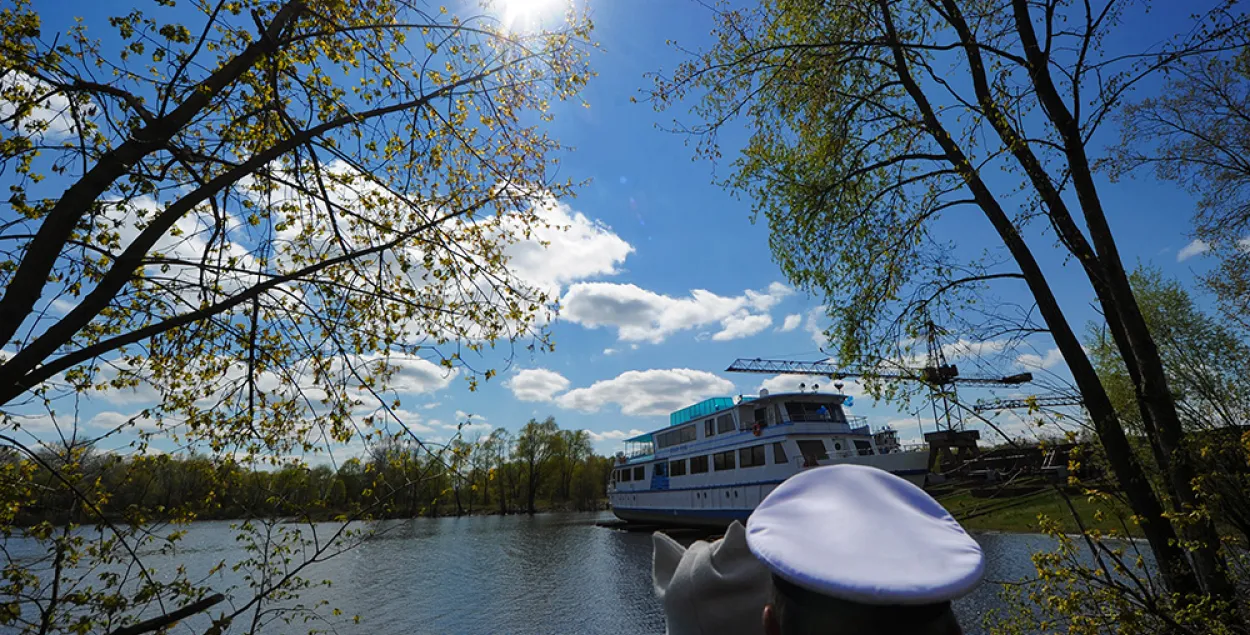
x,y
969,349
610,351
110,420
432,405
54,111
409,420
790,383
467,424
792,322
1195,248
415,375
813,327
740,326
536,384
610,441
647,392
613,435
640,315
188,241
1030,360
37,423
470,430
569,247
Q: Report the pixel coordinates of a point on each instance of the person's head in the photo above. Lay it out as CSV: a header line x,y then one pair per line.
x,y
715,588
854,550
793,610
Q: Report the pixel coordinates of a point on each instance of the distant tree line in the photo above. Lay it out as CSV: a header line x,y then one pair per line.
x,y
541,467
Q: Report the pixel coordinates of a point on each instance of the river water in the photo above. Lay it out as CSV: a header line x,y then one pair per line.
x,y
550,573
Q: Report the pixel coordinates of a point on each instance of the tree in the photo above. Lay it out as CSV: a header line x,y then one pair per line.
x,y
534,448
1205,361
872,122
480,469
263,213
573,449
459,451
1196,132
590,481
500,444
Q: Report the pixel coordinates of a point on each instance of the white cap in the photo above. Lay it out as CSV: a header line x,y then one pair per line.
x,y
715,588
863,535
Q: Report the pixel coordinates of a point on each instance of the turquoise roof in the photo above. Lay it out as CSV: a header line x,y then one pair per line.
x,y
701,409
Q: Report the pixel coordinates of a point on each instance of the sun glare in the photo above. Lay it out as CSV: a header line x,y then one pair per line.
x,y
526,14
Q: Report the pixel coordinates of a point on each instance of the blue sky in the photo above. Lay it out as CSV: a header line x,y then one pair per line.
x,y
665,278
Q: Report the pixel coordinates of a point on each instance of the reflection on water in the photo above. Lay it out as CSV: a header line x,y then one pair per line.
x,y
545,574
524,575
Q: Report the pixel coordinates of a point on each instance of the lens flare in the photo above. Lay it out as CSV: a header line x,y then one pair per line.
x,y
524,14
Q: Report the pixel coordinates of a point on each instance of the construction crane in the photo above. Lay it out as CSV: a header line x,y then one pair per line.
x,y
937,376
942,375
951,446
1028,402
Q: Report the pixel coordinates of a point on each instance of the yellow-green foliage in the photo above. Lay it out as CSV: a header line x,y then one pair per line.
x,y
256,214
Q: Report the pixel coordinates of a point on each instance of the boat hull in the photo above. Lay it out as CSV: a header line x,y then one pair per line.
x,y
717,505
684,518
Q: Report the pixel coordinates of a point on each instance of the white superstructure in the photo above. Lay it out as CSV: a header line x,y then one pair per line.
x,y
719,458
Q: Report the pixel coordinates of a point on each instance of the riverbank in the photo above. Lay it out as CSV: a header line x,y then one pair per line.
x,y
1018,509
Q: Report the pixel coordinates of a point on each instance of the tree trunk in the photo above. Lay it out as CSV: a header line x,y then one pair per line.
x,y
1134,341
503,498
1159,532
532,490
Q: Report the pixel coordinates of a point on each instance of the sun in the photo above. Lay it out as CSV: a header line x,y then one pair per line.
x,y
524,14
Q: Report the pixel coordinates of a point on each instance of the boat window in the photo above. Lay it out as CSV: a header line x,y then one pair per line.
x,y
723,461
761,416
698,464
709,427
673,437
725,423
677,468
640,473
808,411
751,457
837,445
625,475
812,450
864,448
779,454
660,469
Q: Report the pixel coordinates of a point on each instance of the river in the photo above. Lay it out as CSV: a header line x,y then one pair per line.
x,y
550,573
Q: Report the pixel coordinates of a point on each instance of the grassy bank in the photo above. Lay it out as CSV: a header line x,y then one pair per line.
x,y
1017,509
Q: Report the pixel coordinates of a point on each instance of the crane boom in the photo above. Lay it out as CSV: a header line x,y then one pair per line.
x,y
1028,402
933,375
775,366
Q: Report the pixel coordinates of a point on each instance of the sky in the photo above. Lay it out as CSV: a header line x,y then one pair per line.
x,y
665,279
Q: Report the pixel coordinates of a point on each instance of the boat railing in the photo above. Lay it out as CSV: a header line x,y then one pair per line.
x,y
854,422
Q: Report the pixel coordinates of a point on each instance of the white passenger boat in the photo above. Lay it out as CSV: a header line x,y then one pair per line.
x,y
719,458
